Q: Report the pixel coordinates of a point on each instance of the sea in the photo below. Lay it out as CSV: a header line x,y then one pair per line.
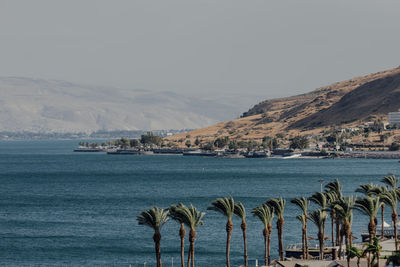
x,y
62,208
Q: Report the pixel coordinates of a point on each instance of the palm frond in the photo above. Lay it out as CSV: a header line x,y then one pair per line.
x,y
344,208
334,186
390,180
320,199
318,217
225,205
369,206
366,189
302,203
390,198
190,216
154,218
277,205
264,213
240,210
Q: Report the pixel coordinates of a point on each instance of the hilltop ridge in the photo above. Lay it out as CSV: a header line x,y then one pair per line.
x,y
342,103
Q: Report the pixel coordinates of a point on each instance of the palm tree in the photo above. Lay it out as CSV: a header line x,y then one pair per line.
x,y
303,220
335,187
318,217
154,218
265,214
369,206
176,216
351,253
331,201
390,198
321,200
377,191
226,206
240,211
374,248
192,218
303,204
278,206
344,211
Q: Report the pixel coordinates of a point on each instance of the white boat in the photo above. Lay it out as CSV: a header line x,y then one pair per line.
x,y
292,156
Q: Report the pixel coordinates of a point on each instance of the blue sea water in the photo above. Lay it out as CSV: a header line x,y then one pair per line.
x,y
59,208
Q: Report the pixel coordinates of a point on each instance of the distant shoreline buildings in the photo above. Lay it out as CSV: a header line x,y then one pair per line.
x,y
394,117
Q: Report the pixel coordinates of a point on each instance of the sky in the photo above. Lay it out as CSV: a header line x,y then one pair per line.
x,y
257,47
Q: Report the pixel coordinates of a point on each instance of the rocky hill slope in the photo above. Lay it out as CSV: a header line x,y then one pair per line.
x,y
342,103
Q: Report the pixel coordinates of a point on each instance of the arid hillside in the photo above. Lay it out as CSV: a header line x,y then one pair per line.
x,y
343,103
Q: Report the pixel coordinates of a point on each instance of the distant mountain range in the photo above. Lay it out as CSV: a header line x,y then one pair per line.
x,y
343,103
38,105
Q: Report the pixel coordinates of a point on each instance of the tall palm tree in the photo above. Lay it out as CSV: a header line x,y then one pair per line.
x,y
390,198
321,200
335,187
344,211
318,217
154,218
369,206
225,206
332,198
377,190
374,248
192,218
176,216
303,220
303,204
240,211
278,207
353,252
265,214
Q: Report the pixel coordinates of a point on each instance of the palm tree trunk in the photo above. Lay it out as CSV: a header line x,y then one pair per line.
x,y
269,243
303,242
229,228
321,245
394,219
182,233
280,223
337,231
358,261
192,238
382,220
333,227
244,226
265,234
306,240
189,254
157,240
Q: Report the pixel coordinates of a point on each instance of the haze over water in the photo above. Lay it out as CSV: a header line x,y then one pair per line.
x,y
59,208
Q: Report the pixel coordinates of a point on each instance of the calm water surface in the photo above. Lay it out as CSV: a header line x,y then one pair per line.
x,y
59,208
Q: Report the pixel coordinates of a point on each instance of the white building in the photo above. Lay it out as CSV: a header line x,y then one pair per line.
x,y
394,117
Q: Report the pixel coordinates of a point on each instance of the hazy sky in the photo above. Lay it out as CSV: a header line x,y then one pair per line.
x,y
261,47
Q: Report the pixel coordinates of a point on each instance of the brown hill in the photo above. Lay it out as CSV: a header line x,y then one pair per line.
x,y
377,97
347,102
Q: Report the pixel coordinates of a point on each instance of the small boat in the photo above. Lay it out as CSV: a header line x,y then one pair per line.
x,y
291,156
